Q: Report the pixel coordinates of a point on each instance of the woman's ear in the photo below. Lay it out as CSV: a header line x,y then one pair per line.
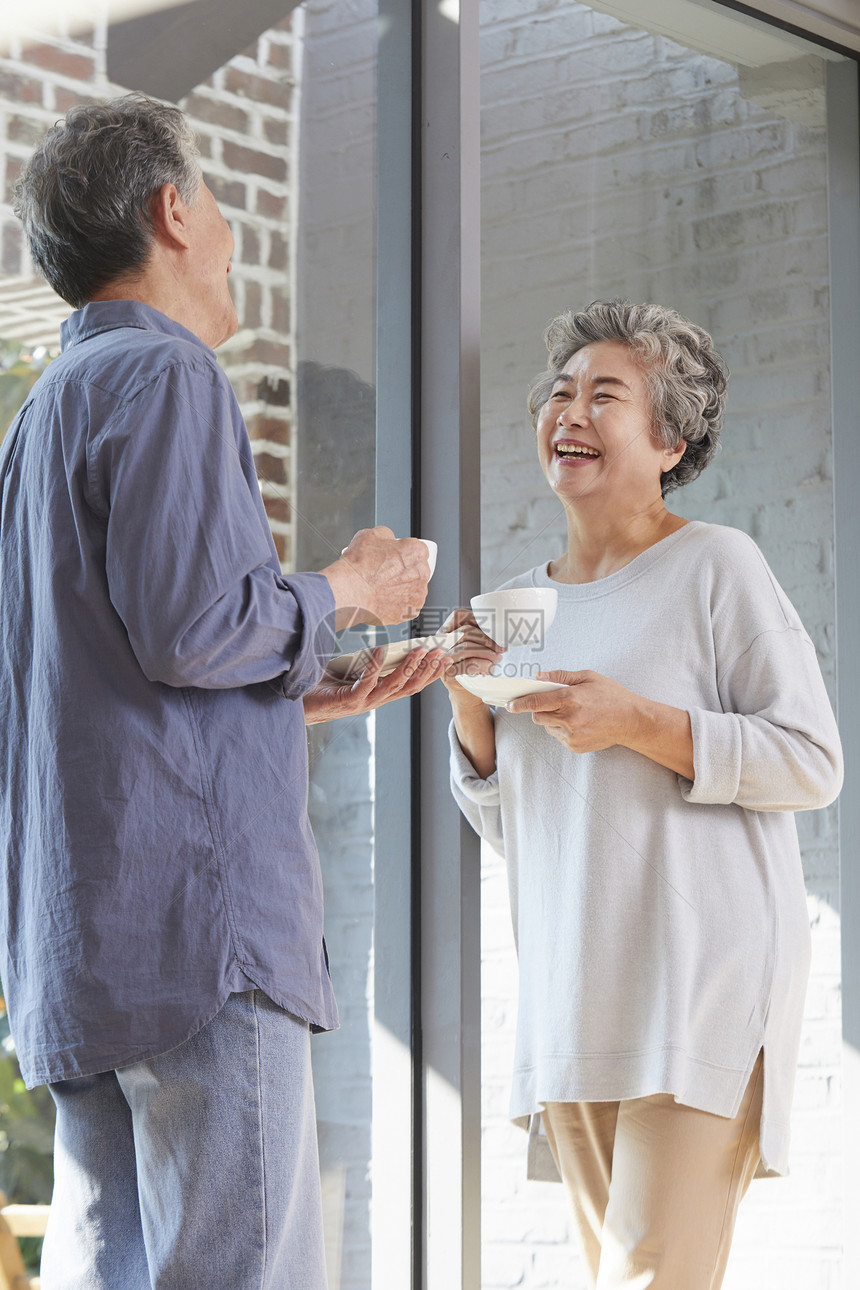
x,y
671,456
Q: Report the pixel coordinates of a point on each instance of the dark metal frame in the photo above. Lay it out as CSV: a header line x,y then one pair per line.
x,y
428,993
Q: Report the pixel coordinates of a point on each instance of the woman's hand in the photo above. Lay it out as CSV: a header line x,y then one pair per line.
x,y
475,654
592,713
332,699
589,714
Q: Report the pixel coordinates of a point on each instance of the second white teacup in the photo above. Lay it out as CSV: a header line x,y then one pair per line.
x,y
516,617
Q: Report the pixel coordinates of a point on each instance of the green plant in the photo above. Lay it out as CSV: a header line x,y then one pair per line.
x,y
20,368
26,1138
26,1118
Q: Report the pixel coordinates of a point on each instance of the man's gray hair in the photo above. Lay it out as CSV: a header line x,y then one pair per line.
x,y
85,196
685,375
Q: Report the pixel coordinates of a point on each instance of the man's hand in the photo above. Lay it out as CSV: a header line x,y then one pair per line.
x,y
379,579
332,699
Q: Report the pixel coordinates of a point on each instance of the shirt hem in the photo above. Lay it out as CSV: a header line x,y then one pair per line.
x,y
67,1068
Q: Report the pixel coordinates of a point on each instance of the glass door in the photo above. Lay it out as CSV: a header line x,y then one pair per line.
x,y
333,493
283,98
674,153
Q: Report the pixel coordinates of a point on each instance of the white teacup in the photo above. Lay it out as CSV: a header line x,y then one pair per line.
x,y
516,617
432,552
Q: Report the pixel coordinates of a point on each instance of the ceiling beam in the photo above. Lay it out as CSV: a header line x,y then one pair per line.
x,y
168,52
833,22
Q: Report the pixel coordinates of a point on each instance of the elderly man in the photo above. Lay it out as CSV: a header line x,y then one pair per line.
x,y
162,941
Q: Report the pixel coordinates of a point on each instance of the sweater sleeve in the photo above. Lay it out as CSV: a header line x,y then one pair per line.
x,y
774,746
478,799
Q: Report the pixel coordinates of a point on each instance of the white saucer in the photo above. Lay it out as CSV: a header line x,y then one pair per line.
x,y
346,667
502,689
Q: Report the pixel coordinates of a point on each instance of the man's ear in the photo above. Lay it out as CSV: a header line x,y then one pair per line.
x,y
170,216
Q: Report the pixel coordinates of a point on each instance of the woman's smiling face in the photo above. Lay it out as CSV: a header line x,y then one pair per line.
x,y
594,431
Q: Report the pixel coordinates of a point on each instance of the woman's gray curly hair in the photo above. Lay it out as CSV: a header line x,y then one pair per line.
x,y
86,193
685,375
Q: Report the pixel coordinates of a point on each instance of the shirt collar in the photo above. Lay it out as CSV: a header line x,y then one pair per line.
x,y
109,315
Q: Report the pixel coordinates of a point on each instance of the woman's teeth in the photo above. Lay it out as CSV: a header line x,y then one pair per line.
x,y
575,450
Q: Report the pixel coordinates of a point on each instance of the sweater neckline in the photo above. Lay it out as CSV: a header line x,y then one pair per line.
x,y
636,567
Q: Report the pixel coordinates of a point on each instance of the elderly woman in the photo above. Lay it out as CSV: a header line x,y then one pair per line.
x,y
645,811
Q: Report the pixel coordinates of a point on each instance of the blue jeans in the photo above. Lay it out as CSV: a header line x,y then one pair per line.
x,y
193,1170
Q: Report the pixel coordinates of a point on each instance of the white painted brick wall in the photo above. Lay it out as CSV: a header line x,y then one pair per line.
x,y
617,163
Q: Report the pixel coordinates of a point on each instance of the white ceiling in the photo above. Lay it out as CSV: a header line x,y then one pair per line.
x,y
45,15
36,18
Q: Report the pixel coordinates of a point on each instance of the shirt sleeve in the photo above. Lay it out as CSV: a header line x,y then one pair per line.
x,y
775,745
191,566
479,799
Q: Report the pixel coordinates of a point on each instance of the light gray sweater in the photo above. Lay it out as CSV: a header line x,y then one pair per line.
x,y
661,924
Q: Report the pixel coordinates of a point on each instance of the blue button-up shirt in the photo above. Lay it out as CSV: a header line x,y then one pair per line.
x,y
156,850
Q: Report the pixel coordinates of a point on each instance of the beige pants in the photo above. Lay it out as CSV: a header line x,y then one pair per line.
x,y
655,1186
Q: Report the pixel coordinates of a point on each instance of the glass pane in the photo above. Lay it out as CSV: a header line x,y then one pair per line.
x,y
335,495
683,163
286,120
